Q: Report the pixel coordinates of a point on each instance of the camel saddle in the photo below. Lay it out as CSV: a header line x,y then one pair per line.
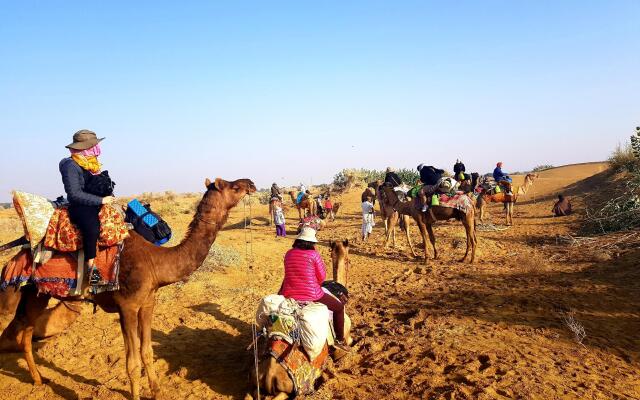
x,y
301,369
53,258
62,274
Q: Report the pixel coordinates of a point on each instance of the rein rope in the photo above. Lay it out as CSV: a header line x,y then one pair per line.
x,y
248,255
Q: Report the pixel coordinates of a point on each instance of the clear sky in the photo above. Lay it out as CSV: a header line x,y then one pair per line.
x,y
290,91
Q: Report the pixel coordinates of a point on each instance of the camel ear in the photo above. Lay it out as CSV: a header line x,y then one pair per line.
x,y
219,183
207,182
345,243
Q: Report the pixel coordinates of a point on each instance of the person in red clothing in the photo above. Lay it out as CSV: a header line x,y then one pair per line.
x,y
304,272
328,206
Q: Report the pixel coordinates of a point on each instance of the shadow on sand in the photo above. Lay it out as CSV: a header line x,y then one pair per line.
x,y
215,357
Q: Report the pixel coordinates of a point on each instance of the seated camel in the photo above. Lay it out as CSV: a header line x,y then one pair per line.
x,y
273,377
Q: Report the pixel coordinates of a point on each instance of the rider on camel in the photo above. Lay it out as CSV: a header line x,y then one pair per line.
x,y
459,170
430,176
502,178
391,178
275,192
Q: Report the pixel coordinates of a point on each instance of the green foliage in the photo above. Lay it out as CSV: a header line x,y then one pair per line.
x,y
542,167
351,176
622,212
408,176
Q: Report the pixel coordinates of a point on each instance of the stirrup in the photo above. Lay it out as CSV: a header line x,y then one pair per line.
x,y
94,276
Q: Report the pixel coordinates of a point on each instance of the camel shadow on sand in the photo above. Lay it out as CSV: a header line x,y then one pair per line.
x,y
217,358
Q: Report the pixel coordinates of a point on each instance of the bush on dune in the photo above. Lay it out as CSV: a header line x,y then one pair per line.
x,y
542,167
360,176
622,212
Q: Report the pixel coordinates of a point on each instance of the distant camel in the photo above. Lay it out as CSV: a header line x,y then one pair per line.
x,y
273,377
426,220
144,268
508,200
305,204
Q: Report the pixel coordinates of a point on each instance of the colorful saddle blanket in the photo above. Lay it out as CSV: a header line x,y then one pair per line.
x,y
302,371
459,201
62,234
58,276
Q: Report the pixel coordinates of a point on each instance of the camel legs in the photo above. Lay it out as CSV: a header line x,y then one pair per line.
x,y
509,213
406,225
391,228
145,316
472,241
432,239
481,207
423,233
130,333
31,307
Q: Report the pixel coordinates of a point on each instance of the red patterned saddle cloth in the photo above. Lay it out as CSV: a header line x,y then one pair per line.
x,y
302,371
62,234
58,275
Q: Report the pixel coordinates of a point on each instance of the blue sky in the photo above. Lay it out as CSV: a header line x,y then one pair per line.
x,y
291,91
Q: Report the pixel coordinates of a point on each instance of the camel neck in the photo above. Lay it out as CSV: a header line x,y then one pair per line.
x,y
186,257
340,271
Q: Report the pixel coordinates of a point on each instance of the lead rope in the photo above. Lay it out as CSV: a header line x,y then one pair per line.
x,y
248,232
255,357
248,256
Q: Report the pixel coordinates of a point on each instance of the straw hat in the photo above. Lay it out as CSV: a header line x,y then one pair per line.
x,y
84,139
308,234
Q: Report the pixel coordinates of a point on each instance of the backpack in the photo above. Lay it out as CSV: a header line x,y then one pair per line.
x,y
99,185
147,223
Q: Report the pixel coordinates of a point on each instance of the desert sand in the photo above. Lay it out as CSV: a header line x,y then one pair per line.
x,y
490,330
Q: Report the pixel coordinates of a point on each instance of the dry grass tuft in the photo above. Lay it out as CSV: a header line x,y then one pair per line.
x,y
574,326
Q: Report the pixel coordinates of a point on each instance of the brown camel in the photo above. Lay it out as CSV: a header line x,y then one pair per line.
x,y
426,220
305,204
390,217
273,377
508,200
144,268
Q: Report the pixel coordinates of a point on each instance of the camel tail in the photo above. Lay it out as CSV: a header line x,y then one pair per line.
x,y
14,243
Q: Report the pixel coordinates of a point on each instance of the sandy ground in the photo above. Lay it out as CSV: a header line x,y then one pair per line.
x,y
491,330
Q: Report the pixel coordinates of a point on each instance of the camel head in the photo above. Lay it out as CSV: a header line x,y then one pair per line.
x,y
225,195
531,177
340,261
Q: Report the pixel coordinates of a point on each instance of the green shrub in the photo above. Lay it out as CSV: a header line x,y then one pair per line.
x,y
622,212
350,176
542,167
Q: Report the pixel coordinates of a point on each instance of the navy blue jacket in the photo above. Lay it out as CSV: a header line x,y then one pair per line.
x,y
73,181
498,175
430,175
393,179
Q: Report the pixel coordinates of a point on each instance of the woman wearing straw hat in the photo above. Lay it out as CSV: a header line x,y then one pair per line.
x,y
83,206
304,272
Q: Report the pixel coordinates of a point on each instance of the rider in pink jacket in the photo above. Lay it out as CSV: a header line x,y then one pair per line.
x,y
304,272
